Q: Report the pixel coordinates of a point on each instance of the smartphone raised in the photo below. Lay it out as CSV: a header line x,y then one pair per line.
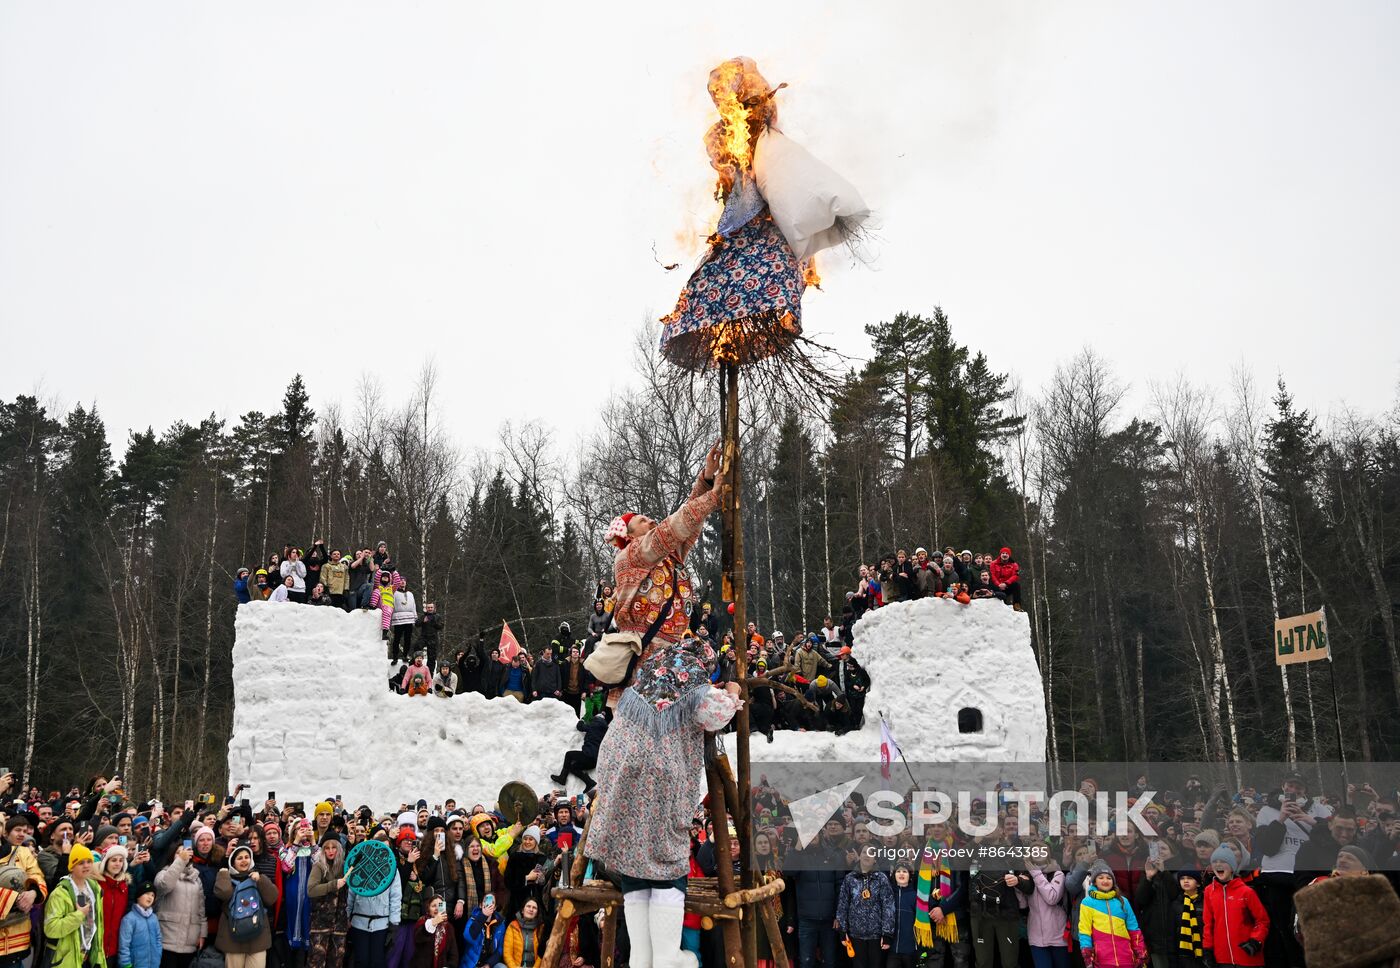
x,y
187,844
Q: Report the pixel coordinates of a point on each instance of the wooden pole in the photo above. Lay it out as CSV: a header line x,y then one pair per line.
x,y
735,588
724,866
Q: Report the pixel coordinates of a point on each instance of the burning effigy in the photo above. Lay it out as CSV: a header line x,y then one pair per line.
x,y
781,206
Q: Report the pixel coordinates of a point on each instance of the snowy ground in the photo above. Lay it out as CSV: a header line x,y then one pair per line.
x,y
313,716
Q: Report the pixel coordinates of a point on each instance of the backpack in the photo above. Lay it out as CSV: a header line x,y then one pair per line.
x,y
246,914
13,878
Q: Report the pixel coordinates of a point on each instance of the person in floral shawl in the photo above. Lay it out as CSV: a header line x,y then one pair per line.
x,y
648,775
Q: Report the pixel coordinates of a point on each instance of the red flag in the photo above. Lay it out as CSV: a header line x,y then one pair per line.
x,y
509,648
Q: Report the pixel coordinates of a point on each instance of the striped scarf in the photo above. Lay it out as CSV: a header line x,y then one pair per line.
x,y
933,868
1190,927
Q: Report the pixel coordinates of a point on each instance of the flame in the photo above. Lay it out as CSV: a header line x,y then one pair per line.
x,y
810,276
733,152
744,99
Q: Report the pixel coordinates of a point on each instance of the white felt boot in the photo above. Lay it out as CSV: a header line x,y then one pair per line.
x,y
667,920
636,909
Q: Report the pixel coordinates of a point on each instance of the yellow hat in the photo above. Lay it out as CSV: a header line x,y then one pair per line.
x,y
821,682
77,855
325,806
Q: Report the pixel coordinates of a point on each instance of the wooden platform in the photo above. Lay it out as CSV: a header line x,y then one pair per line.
x,y
702,897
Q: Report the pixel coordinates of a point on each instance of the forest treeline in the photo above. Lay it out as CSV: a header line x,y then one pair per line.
x,y
1156,547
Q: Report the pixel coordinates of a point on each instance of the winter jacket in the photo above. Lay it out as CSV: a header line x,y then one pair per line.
x,y
484,940
429,628
336,577
294,914
1045,926
819,881
224,885
180,907
376,913
808,662
139,944
405,609
1127,867
315,561
906,901
63,922
1108,925
445,685
545,679
14,938
1004,572
1158,914
417,671
1233,915
513,945
593,732
928,579
988,894
115,892
240,589
865,906
297,569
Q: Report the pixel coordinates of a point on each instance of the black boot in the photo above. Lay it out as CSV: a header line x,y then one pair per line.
x,y
558,780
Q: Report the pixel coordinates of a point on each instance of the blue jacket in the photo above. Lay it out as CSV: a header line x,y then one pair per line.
x,y
240,589
905,902
866,917
377,913
138,943
817,880
483,946
295,909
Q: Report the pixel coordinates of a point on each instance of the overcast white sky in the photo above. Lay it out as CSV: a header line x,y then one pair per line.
x,y
198,200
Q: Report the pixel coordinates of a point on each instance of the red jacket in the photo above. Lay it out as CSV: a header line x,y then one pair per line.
x,y
1233,915
1004,572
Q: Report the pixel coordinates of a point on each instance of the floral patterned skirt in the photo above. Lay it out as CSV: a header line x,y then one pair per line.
x,y
744,302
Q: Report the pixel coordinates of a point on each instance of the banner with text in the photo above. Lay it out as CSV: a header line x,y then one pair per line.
x,y
1302,638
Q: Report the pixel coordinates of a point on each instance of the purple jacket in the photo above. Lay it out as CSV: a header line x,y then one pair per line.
x,y
1046,927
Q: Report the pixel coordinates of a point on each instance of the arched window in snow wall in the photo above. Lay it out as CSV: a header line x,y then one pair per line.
x,y
969,720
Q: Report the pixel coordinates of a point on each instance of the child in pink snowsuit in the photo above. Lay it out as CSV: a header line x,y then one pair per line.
x,y
383,599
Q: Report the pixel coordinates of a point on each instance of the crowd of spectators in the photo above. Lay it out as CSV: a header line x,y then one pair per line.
x,y
816,681
100,878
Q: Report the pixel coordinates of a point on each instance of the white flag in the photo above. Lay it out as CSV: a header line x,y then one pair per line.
x,y
889,749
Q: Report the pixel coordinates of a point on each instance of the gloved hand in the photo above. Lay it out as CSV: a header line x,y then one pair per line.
x,y
389,936
1251,947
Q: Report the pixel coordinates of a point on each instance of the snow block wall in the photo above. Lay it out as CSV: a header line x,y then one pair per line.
x,y
313,717
928,661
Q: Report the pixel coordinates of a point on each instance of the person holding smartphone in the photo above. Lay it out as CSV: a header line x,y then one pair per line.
x,y
73,916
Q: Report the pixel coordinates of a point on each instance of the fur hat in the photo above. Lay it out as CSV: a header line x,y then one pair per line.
x,y
1332,932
